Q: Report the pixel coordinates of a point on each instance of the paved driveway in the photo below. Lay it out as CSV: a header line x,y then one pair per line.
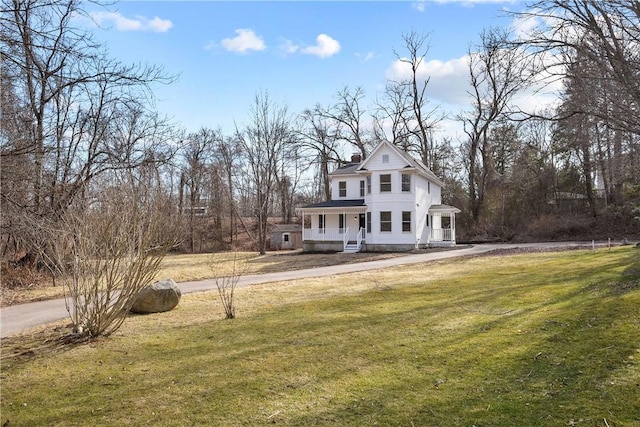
x,y
17,318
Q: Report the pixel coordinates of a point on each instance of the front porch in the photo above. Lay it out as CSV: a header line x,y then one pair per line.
x,y
443,225
330,228
333,226
333,239
347,240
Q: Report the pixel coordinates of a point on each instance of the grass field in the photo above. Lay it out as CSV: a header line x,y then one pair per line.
x,y
546,339
182,268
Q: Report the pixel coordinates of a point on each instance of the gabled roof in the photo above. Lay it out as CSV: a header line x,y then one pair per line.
x,y
411,162
341,203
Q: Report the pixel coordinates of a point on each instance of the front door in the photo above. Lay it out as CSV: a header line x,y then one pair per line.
x,y
363,223
286,241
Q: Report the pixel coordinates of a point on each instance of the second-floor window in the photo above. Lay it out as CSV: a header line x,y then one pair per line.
x,y
362,188
406,182
368,185
342,188
385,183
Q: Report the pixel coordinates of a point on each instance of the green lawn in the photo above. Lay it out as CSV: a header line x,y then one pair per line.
x,y
547,339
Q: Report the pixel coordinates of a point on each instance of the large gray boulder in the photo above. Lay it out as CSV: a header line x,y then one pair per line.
x,y
157,297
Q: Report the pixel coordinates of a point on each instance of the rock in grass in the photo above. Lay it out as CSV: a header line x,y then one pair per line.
x,y
157,297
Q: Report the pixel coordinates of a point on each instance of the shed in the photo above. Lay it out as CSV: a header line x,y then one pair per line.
x,y
286,236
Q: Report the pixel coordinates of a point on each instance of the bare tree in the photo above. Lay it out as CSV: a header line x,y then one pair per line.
x,y
605,33
393,112
349,116
319,138
229,155
497,72
70,100
195,176
262,139
417,117
289,176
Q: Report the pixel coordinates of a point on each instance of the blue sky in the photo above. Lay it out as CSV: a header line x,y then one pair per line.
x,y
301,52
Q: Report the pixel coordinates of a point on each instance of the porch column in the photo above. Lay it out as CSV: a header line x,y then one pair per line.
x,y
453,227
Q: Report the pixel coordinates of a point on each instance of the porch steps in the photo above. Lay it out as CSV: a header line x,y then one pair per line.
x,y
351,248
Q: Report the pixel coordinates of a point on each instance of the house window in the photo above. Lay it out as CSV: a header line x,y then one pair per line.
x,y
385,158
285,237
429,187
385,183
341,219
362,188
406,220
368,222
342,188
406,182
321,222
427,220
368,185
385,221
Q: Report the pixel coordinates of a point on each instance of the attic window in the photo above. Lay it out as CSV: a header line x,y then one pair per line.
x,y
342,188
385,158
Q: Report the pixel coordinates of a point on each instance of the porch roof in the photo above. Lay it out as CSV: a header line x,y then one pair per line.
x,y
443,209
341,203
348,169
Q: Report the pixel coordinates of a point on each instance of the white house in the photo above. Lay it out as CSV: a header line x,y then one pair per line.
x,y
388,202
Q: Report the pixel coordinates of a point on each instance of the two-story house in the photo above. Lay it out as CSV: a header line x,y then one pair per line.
x,y
388,202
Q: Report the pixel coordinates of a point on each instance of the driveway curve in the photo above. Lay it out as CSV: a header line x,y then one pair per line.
x,y
18,318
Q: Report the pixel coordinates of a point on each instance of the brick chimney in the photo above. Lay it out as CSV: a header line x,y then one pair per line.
x,y
356,158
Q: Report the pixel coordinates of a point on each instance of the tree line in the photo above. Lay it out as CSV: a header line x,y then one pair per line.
x,y
79,136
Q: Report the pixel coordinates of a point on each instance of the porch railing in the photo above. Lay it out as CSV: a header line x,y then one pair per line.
x,y
345,237
325,234
443,235
359,237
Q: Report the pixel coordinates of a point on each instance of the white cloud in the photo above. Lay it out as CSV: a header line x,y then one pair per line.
x,y
448,80
139,23
244,41
523,26
472,2
366,57
324,48
288,47
418,5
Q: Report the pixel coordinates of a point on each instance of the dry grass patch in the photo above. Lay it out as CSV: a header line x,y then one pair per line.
x,y
189,267
535,339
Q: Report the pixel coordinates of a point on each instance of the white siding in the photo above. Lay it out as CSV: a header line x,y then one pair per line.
x,y
395,201
353,186
426,195
417,201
